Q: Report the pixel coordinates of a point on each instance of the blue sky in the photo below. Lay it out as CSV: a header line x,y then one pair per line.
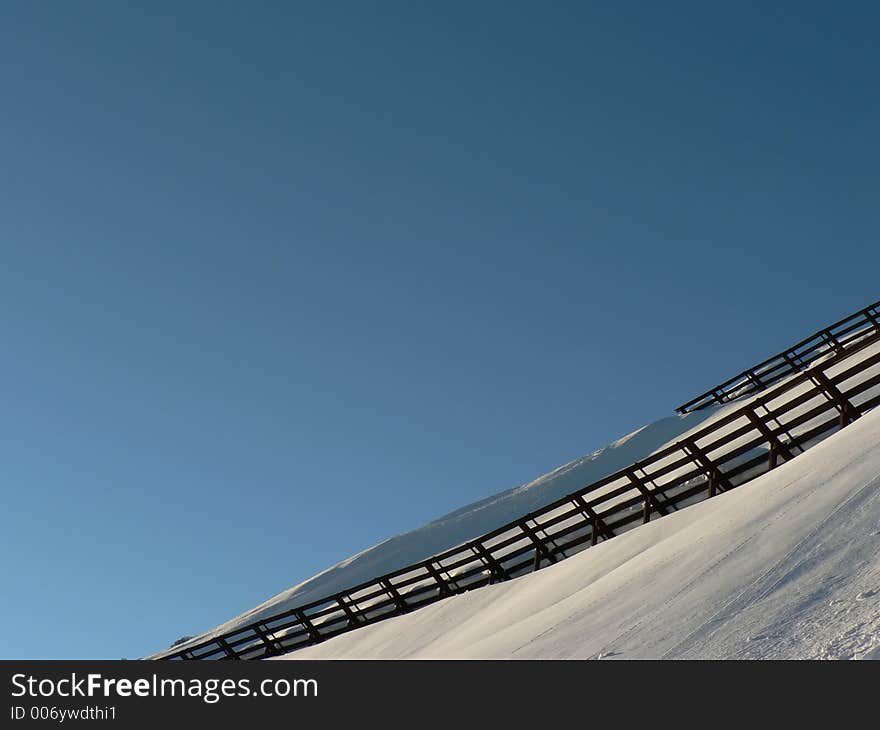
x,y
279,280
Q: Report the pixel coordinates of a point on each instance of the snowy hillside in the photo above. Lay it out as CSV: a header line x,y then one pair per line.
x,y
488,514
786,566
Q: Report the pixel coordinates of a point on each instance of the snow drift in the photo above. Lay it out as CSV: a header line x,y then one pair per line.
x,y
786,566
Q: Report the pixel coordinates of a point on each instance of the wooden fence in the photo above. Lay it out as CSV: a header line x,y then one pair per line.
x,y
794,359
830,388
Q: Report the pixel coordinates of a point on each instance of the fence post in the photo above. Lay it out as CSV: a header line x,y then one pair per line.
x,y
353,618
312,630
271,648
496,570
435,574
596,522
713,472
792,365
832,340
650,500
776,446
773,458
222,643
539,544
755,380
848,412
395,596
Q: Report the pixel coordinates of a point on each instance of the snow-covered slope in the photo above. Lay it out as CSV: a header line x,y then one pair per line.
x,y
785,566
488,514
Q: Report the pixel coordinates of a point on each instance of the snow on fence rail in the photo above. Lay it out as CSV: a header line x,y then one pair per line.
x,y
792,360
771,427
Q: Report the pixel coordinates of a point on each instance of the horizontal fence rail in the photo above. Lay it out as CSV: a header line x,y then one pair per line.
x,y
794,359
770,428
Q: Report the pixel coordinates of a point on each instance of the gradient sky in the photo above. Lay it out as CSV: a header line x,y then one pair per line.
x,y
280,280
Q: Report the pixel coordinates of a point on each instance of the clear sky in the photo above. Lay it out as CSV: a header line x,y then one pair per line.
x,y
280,280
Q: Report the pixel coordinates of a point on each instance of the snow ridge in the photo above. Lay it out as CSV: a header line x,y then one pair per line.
x,y
786,566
